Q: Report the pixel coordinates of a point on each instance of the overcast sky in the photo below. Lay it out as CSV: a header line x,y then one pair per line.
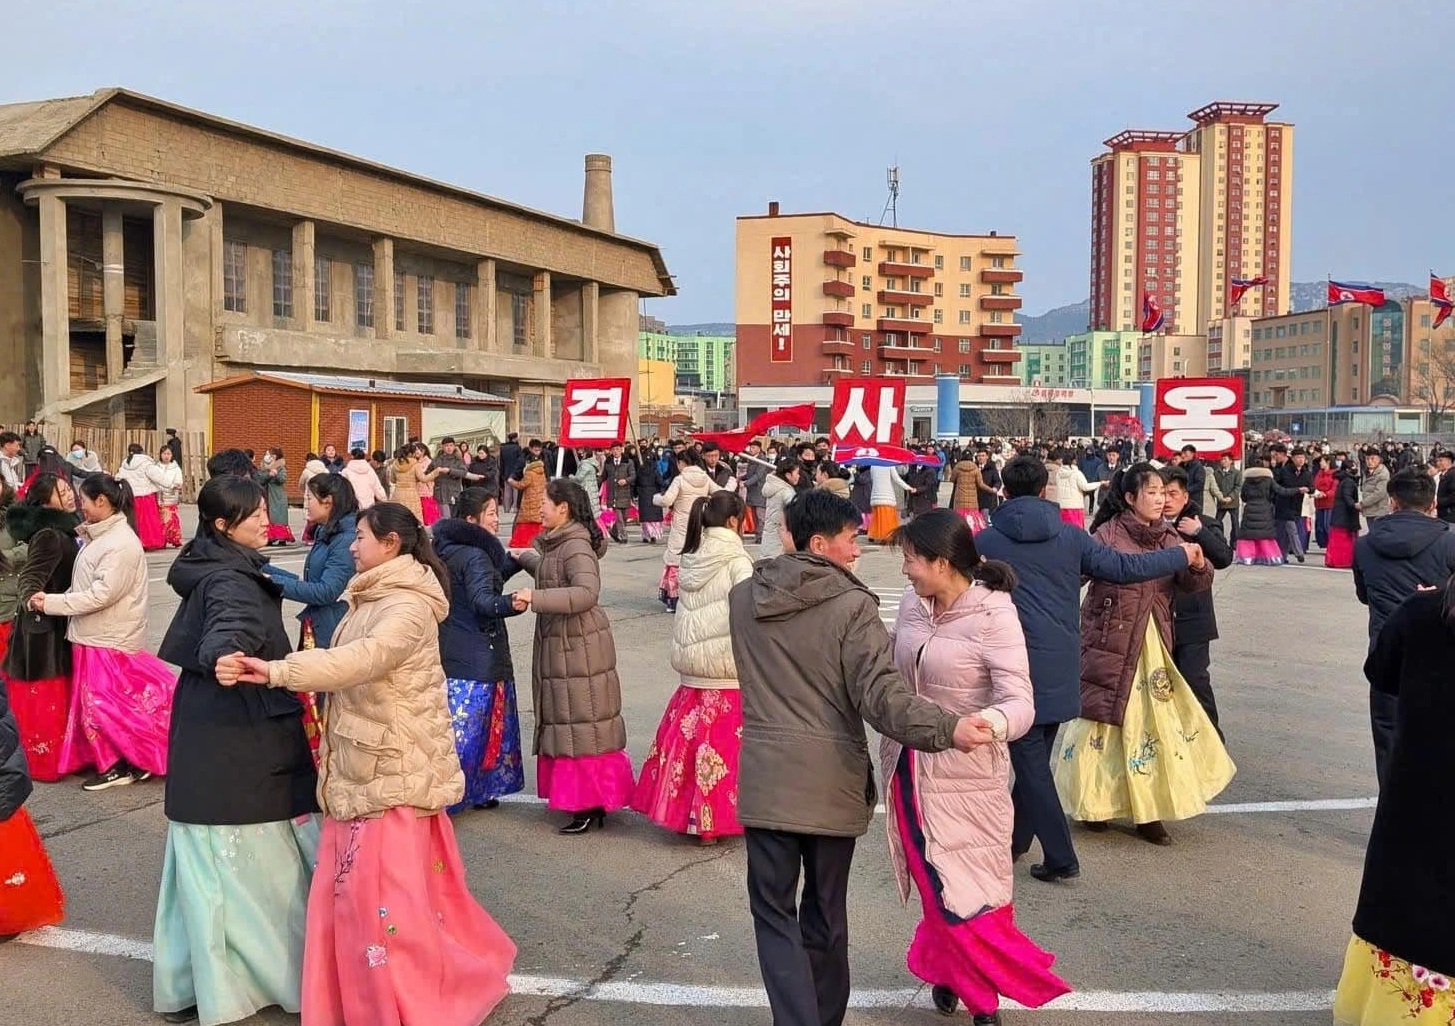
x,y
991,108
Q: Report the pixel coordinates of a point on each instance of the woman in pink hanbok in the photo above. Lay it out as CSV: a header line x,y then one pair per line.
x,y
121,695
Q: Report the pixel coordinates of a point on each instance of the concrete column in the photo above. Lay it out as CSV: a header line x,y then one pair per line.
x,y
590,313
303,275
486,339
617,346
542,308
171,298
55,314
113,302
383,288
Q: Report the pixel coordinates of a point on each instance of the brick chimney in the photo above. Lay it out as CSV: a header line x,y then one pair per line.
x,y
596,208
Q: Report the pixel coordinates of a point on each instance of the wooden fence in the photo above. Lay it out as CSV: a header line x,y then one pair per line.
x,y
110,447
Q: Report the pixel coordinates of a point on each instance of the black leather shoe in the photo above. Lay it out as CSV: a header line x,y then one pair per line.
x,y
1052,874
1154,833
185,1015
489,803
1097,826
993,1019
945,1000
584,821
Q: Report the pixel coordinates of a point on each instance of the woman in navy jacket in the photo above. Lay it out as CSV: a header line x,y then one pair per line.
x,y
331,506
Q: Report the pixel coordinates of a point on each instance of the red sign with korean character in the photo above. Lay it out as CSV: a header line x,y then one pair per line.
x,y
867,411
781,283
595,412
1206,413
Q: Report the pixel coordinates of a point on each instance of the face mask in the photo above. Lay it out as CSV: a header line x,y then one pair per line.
x,y
268,459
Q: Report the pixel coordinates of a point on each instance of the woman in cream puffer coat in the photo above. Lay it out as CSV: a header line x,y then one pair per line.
x,y
689,783
690,484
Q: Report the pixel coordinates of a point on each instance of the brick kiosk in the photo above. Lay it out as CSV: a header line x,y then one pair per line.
x,y
303,412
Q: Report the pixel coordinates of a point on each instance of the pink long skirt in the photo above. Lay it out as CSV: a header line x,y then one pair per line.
x,y
1340,553
394,936
979,958
429,508
149,522
121,708
1263,552
584,782
1074,517
689,783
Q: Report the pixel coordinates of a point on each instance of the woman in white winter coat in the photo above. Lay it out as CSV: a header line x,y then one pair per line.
x,y
169,495
778,490
690,484
689,783
144,478
1071,487
885,487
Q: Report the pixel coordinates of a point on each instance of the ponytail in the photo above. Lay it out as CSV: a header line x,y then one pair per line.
x,y
713,510
995,574
117,493
386,518
943,534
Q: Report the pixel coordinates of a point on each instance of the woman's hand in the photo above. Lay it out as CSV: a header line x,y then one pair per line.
x,y
241,669
37,602
973,731
520,600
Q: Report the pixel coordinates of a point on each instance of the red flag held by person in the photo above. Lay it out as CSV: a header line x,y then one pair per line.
x,y
799,417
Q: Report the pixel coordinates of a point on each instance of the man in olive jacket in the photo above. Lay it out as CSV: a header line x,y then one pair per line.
x,y
814,662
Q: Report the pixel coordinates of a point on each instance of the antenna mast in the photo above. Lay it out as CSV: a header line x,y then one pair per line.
x,y
891,205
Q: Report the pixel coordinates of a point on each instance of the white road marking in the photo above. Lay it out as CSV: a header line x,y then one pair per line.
x,y
691,995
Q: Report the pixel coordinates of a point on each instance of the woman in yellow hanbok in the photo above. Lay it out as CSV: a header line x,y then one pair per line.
x,y
1143,749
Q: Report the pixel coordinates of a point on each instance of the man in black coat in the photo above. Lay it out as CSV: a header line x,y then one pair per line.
x,y
619,472
1292,480
1403,551
1196,474
1194,621
512,462
1445,488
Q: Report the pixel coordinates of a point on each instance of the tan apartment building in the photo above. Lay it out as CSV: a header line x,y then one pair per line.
x,y
1229,344
820,296
1180,214
147,249
1171,356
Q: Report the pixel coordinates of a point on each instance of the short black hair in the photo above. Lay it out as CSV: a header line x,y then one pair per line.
x,y
1189,448
447,440
379,456
1175,475
229,461
6,437
1412,488
709,446
819,512
1024,475
355,454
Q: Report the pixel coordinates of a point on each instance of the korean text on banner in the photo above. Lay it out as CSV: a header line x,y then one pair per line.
x,y
867,411
595,411
781,284
1206,413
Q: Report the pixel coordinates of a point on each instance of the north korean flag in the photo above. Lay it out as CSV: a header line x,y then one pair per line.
x,y
1440,296
1241,285
1153,320
1354,292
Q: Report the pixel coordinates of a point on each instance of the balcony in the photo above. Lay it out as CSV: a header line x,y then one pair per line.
x,y
839,289
838,347
1001,276
888,298
840,257
1000,302
905,326
904,351
829,374
838,319
1000,330
1000,355
898,270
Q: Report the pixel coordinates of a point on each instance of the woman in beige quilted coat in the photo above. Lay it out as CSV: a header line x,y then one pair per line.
x,y
389,866
580,739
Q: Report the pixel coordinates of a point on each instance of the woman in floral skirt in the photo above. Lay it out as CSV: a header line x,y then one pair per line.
x,y
689,783
394,936
475,650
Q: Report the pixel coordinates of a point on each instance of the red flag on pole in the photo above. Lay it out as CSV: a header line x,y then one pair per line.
x,y
800,417
1440,296
1355,292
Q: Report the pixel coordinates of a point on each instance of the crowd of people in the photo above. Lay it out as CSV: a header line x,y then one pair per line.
x,y
311,774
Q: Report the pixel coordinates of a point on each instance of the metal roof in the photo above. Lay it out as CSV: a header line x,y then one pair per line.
x,y
338,383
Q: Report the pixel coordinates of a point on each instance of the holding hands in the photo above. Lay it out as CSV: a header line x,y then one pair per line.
x,y
237,669
37,602
520,600
1195,558
972,731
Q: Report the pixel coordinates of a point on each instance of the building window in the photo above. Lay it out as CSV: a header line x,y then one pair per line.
x,y
964,316
398,300
939,316
964,291
868,341
520,320
964,345
235,276
866,367
866,283
322,284
462,309
964,263
964,370
364,295
425,304
939,288
997,317
937,345
282,283
396,433
868,254
866,311
939,263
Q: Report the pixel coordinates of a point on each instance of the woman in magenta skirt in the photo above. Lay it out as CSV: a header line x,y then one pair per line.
x,y
1343,518
1257,532
393,935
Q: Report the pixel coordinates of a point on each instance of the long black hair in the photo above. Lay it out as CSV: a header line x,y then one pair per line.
x,y
563,489
229,498
713,510
386,518
337,488
118,493
943,534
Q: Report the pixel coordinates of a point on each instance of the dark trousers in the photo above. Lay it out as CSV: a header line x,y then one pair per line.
x,y
1289,538
1037,808
1232,529
1383,717
618,528
759,512
1194,662
1322,519
803,947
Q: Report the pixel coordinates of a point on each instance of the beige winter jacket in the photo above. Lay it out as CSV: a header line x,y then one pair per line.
x,y
387,738
107,600
685,489
702,645
574,687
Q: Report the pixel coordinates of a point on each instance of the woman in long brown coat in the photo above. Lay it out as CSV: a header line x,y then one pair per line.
x,y
968,483
1142,749
580,739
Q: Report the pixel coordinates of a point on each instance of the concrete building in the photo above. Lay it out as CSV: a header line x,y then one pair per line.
x,y
705,363
147,250
1103,359
1043,363
820,296
1229,345
1171,356
1179,214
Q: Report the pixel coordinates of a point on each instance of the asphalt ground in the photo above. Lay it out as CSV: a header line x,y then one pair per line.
x,y
1243,919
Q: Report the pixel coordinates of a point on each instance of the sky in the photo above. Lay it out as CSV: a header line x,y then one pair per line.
x,y
992,109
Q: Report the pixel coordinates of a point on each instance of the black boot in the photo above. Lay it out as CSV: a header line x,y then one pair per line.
x,y
945,1000
584,821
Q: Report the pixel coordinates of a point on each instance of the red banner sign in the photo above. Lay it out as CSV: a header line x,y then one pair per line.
x,y
595,412
1203,412
867,411
782,286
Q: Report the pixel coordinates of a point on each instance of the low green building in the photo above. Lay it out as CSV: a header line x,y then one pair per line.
x,y
1044,364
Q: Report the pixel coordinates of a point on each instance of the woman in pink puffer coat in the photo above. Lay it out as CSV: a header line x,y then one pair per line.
x,y
958,642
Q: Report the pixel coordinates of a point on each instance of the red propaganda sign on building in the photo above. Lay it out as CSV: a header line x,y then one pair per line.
x,y
867,411
782,306
594,412
1202,412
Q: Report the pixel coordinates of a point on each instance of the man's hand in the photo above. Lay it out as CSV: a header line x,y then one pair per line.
x,y
972,731
1189,525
